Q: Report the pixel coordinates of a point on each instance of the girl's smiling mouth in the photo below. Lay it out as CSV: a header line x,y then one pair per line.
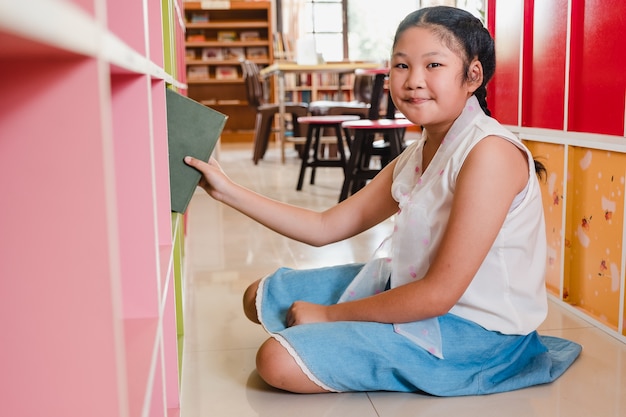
x,y
416,100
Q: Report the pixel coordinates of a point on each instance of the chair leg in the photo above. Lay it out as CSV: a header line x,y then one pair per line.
x,y
347,135
341,148
296,125
317,147
258,146
262,130
305,156
352,166
363,162
396,136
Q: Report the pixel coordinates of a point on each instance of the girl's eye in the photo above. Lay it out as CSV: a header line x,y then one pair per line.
x,y
401,65
433,65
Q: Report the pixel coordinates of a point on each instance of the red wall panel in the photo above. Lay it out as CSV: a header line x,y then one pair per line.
x,y
545,45
506,28
598,67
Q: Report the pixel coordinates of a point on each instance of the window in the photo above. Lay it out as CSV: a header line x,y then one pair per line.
x,y
358,30
324,21
370,35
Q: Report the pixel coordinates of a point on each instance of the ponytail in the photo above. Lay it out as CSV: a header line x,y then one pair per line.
x,y
481,95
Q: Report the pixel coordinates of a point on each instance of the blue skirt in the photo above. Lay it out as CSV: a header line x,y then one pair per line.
x,y
369,356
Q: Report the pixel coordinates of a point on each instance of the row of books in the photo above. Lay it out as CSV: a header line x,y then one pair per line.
x,y
321,80
199,17
198,35
306,96
220,54
298,96
220,72
204,16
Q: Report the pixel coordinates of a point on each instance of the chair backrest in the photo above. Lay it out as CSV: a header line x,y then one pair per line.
x,y
254,84
362,88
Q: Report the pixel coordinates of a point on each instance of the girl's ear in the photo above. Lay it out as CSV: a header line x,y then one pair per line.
x,y
475,75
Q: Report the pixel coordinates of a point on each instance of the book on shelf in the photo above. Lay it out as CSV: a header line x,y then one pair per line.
x,y
195,36
215,4
328,80
305,96
305,80
226,35
283,48
190,53
197,72
233,53
256,52
279,49
192,130
250,35
290,80
225,72
212,54
226,102
199,17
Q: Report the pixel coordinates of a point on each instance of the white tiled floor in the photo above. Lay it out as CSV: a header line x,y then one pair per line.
x,y
226,251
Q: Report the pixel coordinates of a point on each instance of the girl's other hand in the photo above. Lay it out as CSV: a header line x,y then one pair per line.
x,y
302,312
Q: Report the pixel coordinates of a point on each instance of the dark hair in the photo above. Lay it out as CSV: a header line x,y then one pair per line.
x,y
465,34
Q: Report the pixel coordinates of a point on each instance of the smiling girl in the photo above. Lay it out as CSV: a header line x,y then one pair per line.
x,y
450,302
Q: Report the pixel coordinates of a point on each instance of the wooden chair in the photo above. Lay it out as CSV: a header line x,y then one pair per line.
x,y
360,106
266,112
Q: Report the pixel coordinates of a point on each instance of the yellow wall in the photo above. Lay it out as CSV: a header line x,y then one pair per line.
x,y
586,250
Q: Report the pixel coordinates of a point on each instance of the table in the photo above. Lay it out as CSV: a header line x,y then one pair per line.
x,y
279,69
362,148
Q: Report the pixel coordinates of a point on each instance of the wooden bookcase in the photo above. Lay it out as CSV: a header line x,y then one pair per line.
x,y
219,34
89,245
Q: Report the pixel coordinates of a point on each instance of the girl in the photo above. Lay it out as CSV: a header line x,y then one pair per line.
x,y
451,301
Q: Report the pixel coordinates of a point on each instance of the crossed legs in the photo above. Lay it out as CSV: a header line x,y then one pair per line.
x,y
274,364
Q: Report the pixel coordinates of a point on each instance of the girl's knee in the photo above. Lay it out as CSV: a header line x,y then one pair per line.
x,y
279,369
249,302
272,364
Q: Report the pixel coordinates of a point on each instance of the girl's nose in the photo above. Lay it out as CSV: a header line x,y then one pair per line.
x,y
414,79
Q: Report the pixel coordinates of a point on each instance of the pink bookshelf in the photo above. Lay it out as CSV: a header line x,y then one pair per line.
x,y
90,249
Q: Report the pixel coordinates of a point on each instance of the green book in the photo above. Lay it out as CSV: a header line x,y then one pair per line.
x,y
192,129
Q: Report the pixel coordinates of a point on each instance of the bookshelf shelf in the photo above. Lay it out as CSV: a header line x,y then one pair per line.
x,y
235,24
92,253
229,44
213,81
224,36
18,21
223,62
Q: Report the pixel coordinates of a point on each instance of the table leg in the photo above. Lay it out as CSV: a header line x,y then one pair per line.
x,y
281,115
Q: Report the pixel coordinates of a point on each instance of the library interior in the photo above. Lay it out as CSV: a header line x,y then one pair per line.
x,y
122,279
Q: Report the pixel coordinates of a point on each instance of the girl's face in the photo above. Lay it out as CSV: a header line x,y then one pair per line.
x,y
427,79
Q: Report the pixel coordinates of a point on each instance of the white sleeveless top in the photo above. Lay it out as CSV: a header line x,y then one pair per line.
x,y
508,293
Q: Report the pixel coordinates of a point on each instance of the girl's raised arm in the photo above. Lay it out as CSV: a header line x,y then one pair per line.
x,y
365,209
